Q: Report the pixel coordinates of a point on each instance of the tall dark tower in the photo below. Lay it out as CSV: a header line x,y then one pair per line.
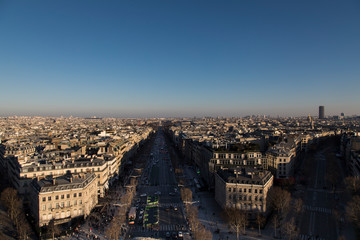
x,y
321,112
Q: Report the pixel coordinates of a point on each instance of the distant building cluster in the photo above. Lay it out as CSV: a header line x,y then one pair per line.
x,y
62,165
240,158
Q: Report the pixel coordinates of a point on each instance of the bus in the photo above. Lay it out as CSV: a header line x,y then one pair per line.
x,y
132,215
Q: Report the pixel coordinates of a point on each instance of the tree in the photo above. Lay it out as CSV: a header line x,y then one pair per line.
x,y
114,229
275,221
353,210
203,233
186,195
237,219
352,184
298,205
24,228
279,200
11,201
260,220
290,229
53,229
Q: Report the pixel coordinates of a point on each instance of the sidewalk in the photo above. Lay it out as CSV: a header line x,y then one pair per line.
x,y
210,215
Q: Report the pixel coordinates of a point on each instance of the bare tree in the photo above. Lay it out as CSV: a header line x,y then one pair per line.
x,y
11,201
279,200
53,229
353,210
298,205
290,229
114,229
276,223
186,195
352,184
179,171
192,213
203,233
237,219
260,220
24,228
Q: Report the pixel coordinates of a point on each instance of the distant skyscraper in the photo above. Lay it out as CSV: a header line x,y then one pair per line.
x,y
321,112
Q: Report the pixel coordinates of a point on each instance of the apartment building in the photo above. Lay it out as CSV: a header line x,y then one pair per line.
x,y
62,198
243,188
21,175
234,159
280,159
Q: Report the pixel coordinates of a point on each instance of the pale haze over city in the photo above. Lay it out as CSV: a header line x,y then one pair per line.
x,y
179,58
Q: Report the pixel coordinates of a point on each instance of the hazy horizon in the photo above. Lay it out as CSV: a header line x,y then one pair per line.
x,y
179,58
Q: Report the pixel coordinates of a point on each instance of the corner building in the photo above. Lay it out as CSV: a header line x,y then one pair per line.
x,y
244,188
63,198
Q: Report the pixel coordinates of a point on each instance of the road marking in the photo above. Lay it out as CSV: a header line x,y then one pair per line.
x,y
309,237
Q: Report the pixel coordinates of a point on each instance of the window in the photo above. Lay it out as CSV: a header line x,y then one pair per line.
x,y
256,198
44,199
249,190
240,190
57,205
229,189
62,196
244,189
44,207
74,194
49,198
80,194
49,206
255,190
261,191
57,197
67,195
68,203
249,198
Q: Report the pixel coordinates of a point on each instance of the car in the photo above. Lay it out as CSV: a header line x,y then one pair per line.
x,y
143,195
167,235
174,234
180,234
167,209
175,208
171,194
158,193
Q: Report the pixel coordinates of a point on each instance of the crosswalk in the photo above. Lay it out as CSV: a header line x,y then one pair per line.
x,y
164,205
318,209
307,237
168,228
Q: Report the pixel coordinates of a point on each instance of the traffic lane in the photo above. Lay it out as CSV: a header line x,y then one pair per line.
x,y
325,226
170,216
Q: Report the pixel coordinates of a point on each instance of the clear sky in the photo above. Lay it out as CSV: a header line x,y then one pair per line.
x,y
179,58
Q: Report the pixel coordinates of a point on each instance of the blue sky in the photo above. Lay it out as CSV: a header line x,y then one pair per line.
x,y
179,58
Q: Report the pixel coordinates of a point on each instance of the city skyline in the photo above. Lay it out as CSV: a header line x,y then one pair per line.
x,y
179,59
